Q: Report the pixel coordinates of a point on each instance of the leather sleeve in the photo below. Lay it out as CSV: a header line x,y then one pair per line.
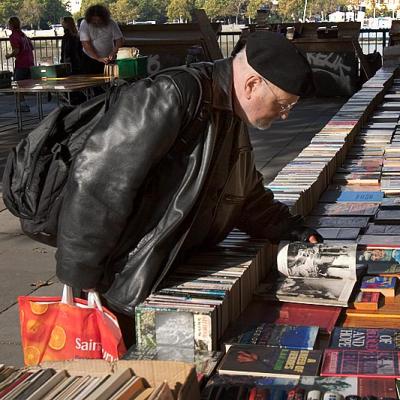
x,y
264,217
133,136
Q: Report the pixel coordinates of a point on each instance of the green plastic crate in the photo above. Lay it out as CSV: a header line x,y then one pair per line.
x,y
132,67
50,71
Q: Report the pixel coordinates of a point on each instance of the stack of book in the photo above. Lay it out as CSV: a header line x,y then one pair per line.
x,y
51,384
204,295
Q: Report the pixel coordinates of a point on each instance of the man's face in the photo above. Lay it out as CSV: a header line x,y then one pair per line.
x,y
267,103
97,21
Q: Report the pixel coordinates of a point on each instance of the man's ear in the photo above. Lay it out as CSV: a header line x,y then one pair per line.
x,y
252,83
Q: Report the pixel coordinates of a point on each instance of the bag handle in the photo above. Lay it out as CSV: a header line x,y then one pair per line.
x,y
93,298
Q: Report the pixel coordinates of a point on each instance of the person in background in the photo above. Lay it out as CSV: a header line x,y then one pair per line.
x,y
101,38
71,47
22,51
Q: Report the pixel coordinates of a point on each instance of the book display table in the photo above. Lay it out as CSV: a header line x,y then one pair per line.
x,y
66,85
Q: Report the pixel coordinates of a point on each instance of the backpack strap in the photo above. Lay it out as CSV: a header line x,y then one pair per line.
x,y
203,108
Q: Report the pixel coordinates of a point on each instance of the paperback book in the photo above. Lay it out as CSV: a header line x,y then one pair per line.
x,y
361,363
283,336
270,361
365,339
313,273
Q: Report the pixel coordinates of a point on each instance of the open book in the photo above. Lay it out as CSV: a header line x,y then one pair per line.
x,y
313,274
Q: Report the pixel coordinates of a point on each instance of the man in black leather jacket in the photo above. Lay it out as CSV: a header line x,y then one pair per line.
x,y
137,196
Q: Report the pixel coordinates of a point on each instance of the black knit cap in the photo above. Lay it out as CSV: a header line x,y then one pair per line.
x,y
279,61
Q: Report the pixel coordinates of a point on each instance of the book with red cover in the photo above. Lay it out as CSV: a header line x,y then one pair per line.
x,y
377,387
309,314
361,363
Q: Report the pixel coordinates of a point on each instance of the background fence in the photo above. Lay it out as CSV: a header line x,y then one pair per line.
x,y
48,49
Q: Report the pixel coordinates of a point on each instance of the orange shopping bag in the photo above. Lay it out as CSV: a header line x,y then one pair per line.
x,y
64,328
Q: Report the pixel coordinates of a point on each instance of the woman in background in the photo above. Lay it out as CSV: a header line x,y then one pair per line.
x,y
22,51
71,47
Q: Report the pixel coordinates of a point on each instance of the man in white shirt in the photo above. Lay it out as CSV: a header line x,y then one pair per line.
x,y
101,38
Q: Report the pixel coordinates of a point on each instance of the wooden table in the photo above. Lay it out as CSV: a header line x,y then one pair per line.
x,y
69,84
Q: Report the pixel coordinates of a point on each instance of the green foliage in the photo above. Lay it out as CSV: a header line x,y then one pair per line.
x,y
52,11
179,10
153,10
30,13
8,8
291,10
253,6
124,11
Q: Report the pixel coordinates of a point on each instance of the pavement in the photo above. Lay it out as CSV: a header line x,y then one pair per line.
x,y
28,267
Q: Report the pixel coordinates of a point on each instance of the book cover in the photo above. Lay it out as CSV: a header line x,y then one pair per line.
x,y
309,314
352,197
361,363
283,336
383,284
337,222
270,361
340,385
313,274
381,388
365,339
367,301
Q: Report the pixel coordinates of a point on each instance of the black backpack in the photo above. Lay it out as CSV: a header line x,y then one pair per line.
x,y
37,168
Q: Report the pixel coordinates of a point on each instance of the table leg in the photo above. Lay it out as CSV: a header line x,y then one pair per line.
x,y
40,105
18,109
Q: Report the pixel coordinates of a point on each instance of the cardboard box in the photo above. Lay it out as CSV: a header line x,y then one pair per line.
x,y
181,377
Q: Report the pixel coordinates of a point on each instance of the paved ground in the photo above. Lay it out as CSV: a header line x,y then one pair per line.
x,y
28,267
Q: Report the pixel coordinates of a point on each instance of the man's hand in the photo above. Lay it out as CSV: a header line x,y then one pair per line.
x,y
305,234
314,239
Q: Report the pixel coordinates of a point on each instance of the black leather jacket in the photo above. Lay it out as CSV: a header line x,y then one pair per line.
x,y
133,203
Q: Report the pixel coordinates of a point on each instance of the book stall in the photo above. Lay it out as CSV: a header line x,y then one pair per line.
x,y
252,320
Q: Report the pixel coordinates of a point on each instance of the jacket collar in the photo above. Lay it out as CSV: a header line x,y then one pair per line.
x,y
222,78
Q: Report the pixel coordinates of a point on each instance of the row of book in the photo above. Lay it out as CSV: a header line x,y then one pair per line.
x,y
274,360
350,157
204,295
49,384
301,182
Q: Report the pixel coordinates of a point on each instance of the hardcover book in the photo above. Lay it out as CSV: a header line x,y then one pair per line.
x,y
382,284
352,197
365,339
381,388
313,273
361,363
367,301
270,361
283,336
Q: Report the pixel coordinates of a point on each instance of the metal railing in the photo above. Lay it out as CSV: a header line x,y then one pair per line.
x,y
48,49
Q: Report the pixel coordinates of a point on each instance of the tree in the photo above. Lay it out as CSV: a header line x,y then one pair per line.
x,y
30,13
179,9
215,8
152,10
8,8
87,3
253,6
124,11
53,11
291,10
236,8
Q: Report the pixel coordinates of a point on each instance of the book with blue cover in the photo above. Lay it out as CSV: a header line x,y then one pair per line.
x,y
351,197
283,336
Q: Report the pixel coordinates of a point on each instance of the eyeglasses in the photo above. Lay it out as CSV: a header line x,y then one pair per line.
x,y
284,108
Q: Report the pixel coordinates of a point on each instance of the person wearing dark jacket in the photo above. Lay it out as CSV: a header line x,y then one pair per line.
x,y
71,47
137,196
